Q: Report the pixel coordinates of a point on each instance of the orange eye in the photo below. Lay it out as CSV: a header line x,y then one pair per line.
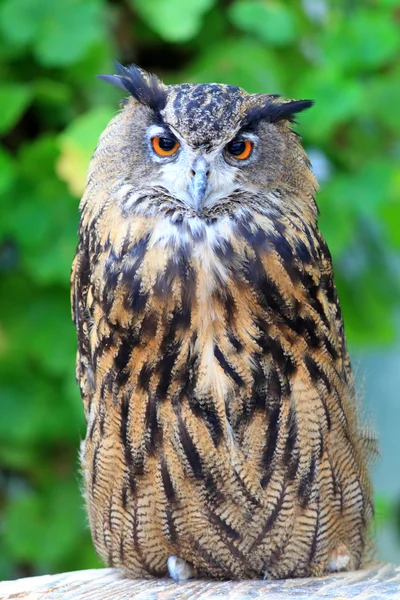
x,y
240,149
164,146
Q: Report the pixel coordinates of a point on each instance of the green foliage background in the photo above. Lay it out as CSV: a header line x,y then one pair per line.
x,y
342,53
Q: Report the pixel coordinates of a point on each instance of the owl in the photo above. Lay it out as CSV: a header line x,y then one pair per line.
x,y
222,435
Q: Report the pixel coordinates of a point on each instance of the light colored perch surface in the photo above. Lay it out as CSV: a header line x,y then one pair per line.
x,y
380,582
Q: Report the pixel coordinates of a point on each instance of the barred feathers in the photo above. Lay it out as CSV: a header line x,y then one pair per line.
x,y
217,390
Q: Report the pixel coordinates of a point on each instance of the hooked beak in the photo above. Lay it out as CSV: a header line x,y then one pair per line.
x,y
198,186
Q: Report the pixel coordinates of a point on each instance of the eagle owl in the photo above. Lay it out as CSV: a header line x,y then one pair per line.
x,y
222,438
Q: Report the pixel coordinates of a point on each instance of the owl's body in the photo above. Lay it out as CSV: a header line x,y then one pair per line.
x,y
212,360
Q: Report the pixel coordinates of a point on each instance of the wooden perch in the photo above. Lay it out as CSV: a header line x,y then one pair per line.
x,y
380,582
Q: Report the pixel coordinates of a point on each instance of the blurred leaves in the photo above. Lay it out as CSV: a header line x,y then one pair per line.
x,y
273,22
14,98
59,33
175,20
52,110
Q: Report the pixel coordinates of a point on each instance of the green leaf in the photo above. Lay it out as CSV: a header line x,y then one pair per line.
x,y
173,20
272,22
7,172
34,522
336,101
14,98
59,32
70,28
367,38
20,19
223,62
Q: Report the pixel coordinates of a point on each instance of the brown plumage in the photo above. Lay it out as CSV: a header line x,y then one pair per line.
x,y
218,393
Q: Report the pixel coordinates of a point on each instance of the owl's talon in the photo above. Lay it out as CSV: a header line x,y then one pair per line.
x,y
179,569
339,560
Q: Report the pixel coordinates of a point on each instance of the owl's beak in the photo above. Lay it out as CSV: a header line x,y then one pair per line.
x,y
198,185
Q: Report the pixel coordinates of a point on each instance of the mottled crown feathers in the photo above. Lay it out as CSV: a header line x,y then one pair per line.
x,y
149,90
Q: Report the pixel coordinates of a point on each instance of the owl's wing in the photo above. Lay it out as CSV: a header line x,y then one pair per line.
x,y
80,282
328,289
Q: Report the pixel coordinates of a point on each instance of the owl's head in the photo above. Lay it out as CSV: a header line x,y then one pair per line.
x,y
203,150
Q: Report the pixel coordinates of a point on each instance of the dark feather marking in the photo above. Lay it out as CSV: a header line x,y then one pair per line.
x,y
167,482
225,298
124,496
209,558
326,283
206,411
94,466
291,458
121,360
92,428
135,300
269,451
259,387
306,328
330,348
153,429
171,499
274,388
173,535
214,493
284,360
181,318
236,343
268,293
317,305
302,252
110,523
144,376
149,326
121,550
224,251
230,371
135,467
104,344
191,452
272,346
315,539
169,353
225,527
271,519
316,372
124,420
305,484
281,244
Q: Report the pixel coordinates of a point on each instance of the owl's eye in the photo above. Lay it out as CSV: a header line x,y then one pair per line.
x,y
164,146
240,149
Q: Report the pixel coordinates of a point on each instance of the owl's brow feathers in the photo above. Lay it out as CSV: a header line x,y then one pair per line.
x,y
148,90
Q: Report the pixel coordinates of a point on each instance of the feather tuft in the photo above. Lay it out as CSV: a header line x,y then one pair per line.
x,y
273,112
146,88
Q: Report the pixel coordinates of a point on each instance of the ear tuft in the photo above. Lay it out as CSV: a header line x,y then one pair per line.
x,y
144,87
273,111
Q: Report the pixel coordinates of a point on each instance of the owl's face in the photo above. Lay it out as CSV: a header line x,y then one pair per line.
x,y
206,149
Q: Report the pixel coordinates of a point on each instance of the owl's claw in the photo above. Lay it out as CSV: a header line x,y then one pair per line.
x,y
179,570
339,559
